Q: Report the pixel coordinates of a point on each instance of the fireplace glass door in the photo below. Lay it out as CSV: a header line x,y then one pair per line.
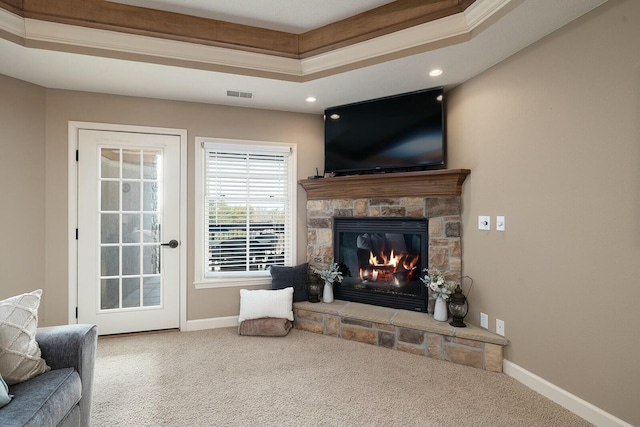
x,y
382,260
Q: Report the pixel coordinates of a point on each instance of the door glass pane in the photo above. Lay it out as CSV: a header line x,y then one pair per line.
x,y
151,228
151,190
109,195
151,262
151,164
110,163
130,196
109,261
131,164
130,292
130,215
131,228
130,260
152,291
109,294
109,228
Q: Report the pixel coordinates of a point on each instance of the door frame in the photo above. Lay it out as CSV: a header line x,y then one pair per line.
x,y
74,127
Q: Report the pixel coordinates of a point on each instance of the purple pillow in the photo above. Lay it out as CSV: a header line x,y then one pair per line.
x,y
294,277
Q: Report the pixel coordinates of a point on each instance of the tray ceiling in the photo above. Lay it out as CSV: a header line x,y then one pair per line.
x,y
194,55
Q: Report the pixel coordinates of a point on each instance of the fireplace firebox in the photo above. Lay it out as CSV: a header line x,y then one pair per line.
x,y
382,260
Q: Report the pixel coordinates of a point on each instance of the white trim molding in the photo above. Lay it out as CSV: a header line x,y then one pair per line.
x,y
212,323
73,129
578,406
239,279
12,23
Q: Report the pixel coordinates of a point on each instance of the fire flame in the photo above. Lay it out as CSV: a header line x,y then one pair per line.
x,y
391,260
407,261
395,262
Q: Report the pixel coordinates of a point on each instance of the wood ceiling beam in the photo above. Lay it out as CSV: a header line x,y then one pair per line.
x,y
101,14
13,6
106,15
386,19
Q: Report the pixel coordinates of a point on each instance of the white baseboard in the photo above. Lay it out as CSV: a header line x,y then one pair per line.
x,y
578,406
212,323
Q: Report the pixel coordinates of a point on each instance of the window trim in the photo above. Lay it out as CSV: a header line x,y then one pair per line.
x,y
236,279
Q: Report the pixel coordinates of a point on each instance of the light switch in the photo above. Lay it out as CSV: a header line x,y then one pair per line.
x,y
500,223
484,222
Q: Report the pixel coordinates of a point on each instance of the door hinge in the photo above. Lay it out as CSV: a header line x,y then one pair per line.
x,y
76,234
77,155
76,312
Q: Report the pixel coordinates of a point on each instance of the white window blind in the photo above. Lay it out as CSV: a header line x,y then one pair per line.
x,y
247,208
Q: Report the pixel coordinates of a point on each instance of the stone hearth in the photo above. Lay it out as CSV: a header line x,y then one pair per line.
x,y
403,330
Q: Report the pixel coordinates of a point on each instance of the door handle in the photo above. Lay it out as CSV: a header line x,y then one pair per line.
x,y
172,244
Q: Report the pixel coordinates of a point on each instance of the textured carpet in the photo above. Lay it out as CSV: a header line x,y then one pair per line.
x,y
217,378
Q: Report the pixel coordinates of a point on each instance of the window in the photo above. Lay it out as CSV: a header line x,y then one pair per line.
x,y
246,208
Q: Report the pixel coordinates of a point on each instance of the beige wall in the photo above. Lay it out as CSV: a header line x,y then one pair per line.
x,y
199,120
22,191
552,138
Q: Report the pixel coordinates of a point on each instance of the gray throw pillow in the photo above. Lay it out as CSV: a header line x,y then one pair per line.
x,y
294,277
5,397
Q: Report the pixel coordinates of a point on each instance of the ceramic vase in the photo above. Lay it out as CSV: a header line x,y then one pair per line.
x,y
440,313
327,292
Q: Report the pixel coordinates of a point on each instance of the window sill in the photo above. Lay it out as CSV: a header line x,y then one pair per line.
x,y
232,282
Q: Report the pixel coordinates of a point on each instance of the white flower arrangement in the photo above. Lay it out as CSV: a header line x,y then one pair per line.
x,y
434,280
331,274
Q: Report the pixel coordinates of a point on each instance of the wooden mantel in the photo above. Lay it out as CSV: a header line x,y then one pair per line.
x,y
446,182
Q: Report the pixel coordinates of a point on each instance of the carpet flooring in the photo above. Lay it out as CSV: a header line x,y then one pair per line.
x,y
218,378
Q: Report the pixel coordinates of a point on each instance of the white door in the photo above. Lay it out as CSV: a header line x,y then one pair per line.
x,y
128,230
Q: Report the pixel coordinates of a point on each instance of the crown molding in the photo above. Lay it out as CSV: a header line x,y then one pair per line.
x,y
12,24
423,36
45,33
102,42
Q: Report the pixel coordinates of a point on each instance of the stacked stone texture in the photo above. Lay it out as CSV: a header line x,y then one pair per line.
x,y
443,213
415,333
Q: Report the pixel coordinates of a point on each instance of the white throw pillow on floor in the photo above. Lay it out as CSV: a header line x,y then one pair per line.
x,y
266,303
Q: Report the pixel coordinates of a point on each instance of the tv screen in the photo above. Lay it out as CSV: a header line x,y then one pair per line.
x,y
397,133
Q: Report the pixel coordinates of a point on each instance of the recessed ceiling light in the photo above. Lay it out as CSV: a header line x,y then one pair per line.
x,y
335,116
311,99
435,72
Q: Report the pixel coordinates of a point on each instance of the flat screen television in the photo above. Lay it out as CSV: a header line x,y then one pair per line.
x,y
398,133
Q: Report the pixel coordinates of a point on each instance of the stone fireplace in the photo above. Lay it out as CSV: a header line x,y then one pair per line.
x,y
430,196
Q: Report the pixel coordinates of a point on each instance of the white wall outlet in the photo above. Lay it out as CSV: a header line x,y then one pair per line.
x,y
500,327
484,320
484,222
500,223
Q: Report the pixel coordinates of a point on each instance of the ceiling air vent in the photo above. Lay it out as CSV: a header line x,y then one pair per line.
x,y
239,94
